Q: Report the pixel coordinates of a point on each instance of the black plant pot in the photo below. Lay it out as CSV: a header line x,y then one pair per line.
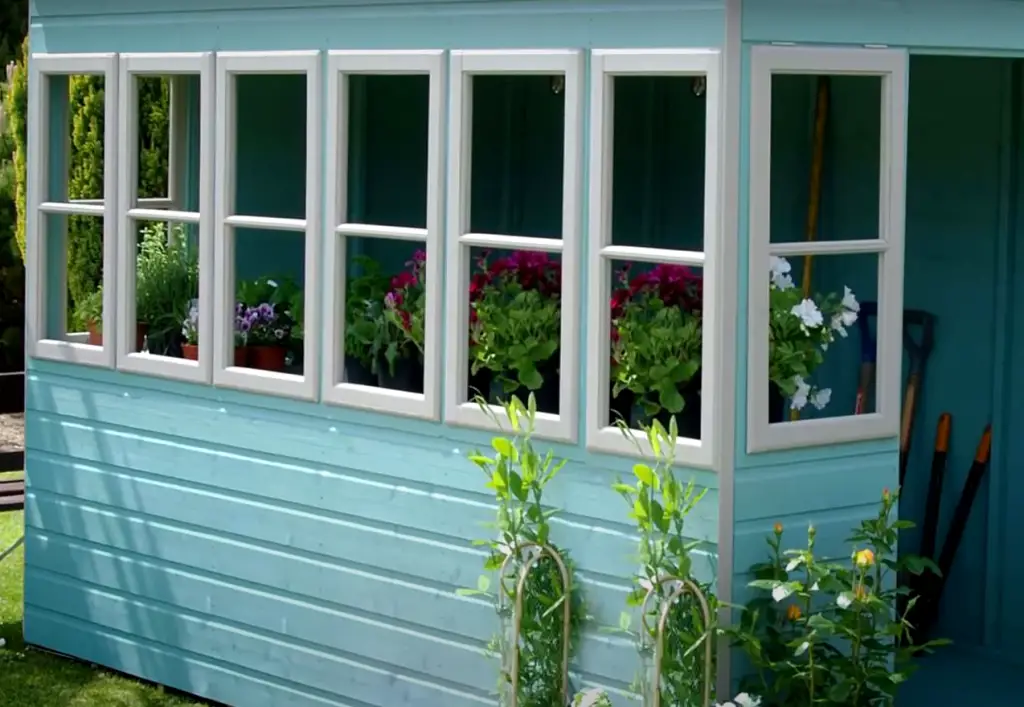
x,y
479,383
776,404
357,373
408,375
546,395
621,407
687,419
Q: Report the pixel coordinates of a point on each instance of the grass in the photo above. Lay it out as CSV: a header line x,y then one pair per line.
x,y
34,677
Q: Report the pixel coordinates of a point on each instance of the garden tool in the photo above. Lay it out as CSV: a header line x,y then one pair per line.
x,y
932,586
868,356
919,352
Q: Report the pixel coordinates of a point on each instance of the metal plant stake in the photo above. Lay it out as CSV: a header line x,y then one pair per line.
x,y
537,551
680,587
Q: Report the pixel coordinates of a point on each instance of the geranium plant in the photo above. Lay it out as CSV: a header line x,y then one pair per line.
x,y
400,334
364,309
829,633
659,504
800,331
515,318
656,336
517,475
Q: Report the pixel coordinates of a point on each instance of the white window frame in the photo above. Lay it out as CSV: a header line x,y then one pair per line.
x,y
891,66
464,66
133,66
225,373
605,66
73,347
341,65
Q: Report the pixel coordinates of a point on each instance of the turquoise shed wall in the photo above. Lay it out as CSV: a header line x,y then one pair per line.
x,y
964,156
258,551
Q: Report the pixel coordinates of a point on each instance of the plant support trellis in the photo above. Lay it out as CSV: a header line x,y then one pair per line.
x,y
534,552
679,588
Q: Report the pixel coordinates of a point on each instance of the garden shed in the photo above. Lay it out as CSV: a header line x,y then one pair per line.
x,y
253,383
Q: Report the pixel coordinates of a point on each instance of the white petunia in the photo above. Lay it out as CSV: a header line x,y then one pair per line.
x,y
849,301
780,269
838,324
821,398
745,700
809,314
803,390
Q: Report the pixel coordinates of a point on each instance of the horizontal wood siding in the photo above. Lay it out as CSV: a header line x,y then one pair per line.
x,y
264,557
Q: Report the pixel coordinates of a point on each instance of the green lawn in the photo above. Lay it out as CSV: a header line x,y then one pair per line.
x,y
33,678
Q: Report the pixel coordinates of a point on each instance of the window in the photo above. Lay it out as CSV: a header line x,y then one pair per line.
x,y
825,293
71,208
267,231
382,347
513,235
653,340
165,245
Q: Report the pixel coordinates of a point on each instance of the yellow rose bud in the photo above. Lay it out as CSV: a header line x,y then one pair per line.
x,y
864,558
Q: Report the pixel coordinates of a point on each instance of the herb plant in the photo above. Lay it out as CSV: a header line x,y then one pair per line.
x,y
825,633
800,331
364,304
166,281
517,474
659,505
90,310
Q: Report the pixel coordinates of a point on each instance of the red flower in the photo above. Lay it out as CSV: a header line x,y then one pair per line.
x,y
403,280
406,320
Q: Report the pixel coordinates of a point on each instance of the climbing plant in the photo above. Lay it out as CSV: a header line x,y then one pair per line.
x,y
517,475
16,119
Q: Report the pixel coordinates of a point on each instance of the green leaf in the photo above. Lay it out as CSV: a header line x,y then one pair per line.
x,y
646,475
503,447
625,621
483,583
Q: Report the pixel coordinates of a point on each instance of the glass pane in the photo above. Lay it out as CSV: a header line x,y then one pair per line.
x,y
77,108
515,326
847,157
166,290
270,145
74,278
388,123
518,139
821,338
656,346
385,314
168,142
658,162
269,282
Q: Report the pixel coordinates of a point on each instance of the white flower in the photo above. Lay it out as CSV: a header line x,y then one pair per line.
x,y
821,397
780,268
803,390
272,283
745,700
844,600
781,592
838,325
850,302
809,314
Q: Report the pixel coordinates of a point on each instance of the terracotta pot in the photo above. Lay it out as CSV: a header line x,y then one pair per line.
x,y
190,351
141,329
267,358
241,356
95,334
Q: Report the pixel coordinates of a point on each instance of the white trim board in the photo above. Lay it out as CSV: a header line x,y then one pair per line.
x,y
131,67
891,66
340,65
225,374
605,66
464,65
71,348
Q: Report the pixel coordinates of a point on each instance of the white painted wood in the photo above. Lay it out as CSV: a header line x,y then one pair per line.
x,y
341,65
225,374
464,65
132,66
605,66
891,66
40,286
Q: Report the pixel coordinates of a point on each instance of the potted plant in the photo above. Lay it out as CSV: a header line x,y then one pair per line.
x,y
89,313
266,323
167,278
656,335
800,331
364,309
400,336
190,332
241,333
515,327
